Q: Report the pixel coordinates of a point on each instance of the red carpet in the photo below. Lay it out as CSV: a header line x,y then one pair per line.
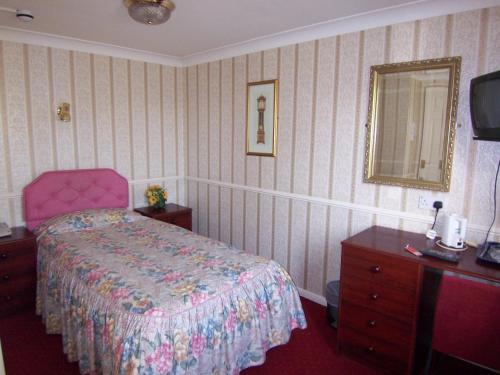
x,y
309,351
28,350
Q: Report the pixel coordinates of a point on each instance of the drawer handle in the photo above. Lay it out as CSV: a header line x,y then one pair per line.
x,y
371,349
376,269
372,323
5,277
375,296
8,298
3,256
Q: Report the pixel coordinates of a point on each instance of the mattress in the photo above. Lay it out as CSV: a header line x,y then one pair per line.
x,y
132,295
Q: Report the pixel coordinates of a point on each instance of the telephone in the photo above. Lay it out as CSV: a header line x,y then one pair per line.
x,y
5,230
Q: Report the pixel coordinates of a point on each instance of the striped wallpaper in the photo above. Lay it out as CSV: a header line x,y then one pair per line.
x,y
298,206
185,127
127,115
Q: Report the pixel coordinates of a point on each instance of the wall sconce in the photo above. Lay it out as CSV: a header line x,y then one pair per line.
x,y
63,112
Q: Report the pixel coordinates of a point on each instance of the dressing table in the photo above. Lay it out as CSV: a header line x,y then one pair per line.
x,y
382,291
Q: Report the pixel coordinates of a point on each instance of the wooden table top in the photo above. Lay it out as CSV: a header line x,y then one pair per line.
x,y
393,241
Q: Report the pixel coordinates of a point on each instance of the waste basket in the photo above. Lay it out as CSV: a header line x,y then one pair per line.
x,y
332,299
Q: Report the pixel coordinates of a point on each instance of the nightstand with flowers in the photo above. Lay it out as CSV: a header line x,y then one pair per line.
x,y
159,209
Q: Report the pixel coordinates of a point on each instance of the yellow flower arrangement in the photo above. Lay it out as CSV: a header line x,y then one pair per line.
x,y
157,196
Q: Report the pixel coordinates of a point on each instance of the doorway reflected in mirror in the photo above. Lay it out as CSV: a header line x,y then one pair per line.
x,y
411,124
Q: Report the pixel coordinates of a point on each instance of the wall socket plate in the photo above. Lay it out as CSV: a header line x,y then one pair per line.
x,y
425,202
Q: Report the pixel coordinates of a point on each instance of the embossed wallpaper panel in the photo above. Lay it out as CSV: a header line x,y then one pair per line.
x,y
127,115
299,206
185,127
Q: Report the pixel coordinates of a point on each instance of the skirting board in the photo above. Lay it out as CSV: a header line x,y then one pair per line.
x,y
312,296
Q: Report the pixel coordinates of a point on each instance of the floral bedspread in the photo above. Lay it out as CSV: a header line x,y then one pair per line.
x,y
132,295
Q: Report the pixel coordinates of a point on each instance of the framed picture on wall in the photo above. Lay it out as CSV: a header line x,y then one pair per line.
x,y
262,117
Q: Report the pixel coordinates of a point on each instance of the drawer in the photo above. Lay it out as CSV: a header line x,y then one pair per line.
x,y
18,261
372,323
19,250
383,299
183,221
379,269
390,357
406,282
15,281
11,303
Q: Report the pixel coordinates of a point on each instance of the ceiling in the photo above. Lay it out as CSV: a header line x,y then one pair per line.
x,y
198,29
195,26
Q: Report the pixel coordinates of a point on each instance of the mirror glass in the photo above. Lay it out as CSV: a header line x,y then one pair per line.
x,y
411,123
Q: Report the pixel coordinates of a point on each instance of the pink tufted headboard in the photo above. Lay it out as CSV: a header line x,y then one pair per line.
x,y
58,192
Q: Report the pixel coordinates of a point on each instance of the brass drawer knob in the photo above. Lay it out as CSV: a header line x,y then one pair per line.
x,y
5,277
375,296
371,349
3,256
376,269
371,323
8,298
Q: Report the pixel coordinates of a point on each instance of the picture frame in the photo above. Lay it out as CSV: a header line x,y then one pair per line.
x,y
262,117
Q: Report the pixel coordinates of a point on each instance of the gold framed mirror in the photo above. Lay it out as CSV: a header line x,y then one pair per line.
x,y
411,125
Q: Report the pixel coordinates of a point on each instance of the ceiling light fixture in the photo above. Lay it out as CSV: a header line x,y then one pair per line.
x,y
150,12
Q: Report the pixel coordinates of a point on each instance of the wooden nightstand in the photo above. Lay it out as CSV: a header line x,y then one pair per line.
x,y
17,271
172,213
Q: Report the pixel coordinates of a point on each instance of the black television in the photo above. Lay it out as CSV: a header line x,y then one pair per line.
x,y
485,106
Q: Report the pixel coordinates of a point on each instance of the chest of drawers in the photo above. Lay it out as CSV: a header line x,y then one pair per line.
x,y
379,301
383,292
17,271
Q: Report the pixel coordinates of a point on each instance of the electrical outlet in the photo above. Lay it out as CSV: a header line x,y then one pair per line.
x,y
425,202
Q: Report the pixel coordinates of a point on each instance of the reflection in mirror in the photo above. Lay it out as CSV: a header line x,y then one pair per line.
x,y
411,123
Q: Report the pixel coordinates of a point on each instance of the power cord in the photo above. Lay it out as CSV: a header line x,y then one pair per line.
x,y
485,247
494,207
437,205
431,233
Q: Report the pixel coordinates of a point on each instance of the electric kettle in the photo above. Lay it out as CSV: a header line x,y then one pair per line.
x,y
454,231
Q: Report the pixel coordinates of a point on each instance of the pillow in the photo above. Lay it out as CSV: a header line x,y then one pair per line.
x,y
87,219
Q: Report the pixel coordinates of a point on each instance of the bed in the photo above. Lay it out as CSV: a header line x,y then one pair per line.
x,y
132,295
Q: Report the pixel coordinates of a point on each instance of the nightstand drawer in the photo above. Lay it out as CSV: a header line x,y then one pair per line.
x,y
17,271
376,325
171,213
13,251
11,303
18,260
391,357
16,275
16,283
183,221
